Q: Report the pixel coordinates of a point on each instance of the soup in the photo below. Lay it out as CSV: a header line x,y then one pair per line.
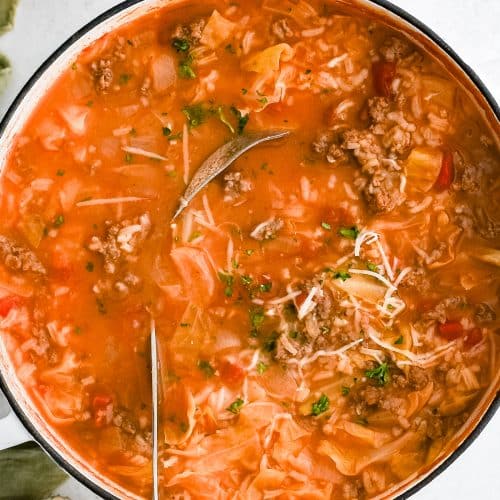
x,y
327,309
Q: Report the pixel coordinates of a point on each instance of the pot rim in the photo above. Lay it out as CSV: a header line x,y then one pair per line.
x,y
479,425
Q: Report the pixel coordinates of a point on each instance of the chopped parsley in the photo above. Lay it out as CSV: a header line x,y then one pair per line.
x,y
249,251
124,78
343,275
269,343
235,264
222,117
166,131
59,220
320,406
263,100
229,48
228,281
242,119
261,367
345,390
128,158
380,374
308,71
326,226
206,368
256,318
246,280
78,330
90,103
265,287
181,44
186,71
399,340
244,91
372,267
185,325
89,266
60,172
195,115
235,406
350,233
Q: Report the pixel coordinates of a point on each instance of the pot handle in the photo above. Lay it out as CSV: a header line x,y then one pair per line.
x,y
12,431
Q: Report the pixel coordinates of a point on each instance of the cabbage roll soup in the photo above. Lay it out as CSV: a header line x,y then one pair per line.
x,y
326,308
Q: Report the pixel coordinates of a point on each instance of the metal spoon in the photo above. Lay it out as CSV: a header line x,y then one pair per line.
x,y
218,161
154,389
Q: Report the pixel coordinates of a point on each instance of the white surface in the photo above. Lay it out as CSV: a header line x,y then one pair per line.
x,y
469,26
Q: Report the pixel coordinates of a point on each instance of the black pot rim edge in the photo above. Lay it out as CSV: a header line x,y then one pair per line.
x,y
117,9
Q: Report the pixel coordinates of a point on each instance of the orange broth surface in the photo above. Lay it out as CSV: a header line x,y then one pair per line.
x,y
327,308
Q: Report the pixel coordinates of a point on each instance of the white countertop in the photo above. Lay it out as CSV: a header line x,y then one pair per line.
x,y
469,26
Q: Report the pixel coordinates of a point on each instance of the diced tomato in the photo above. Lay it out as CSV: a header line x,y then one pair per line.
x,y
101,401
451,330
231,373
383,76
447,172
473,337
7,303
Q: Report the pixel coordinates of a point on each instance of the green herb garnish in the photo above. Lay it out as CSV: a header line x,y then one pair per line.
x,y
256,317
223,119
320,406
228,281
343,275
89,266
60,172
372,267
186,70
265,287
180,44
235,406
326,226
246,280
269,343
380,374
206,368
59,220
128,158
345,390
350,233
242,119
261,367
166,131
244,91
399,340
124,78
195,114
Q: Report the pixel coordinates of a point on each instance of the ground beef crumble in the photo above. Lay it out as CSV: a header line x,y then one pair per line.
x,y
235,185
191,32
18,258
121,240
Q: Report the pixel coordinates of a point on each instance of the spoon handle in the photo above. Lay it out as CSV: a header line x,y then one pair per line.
x,y
222,158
